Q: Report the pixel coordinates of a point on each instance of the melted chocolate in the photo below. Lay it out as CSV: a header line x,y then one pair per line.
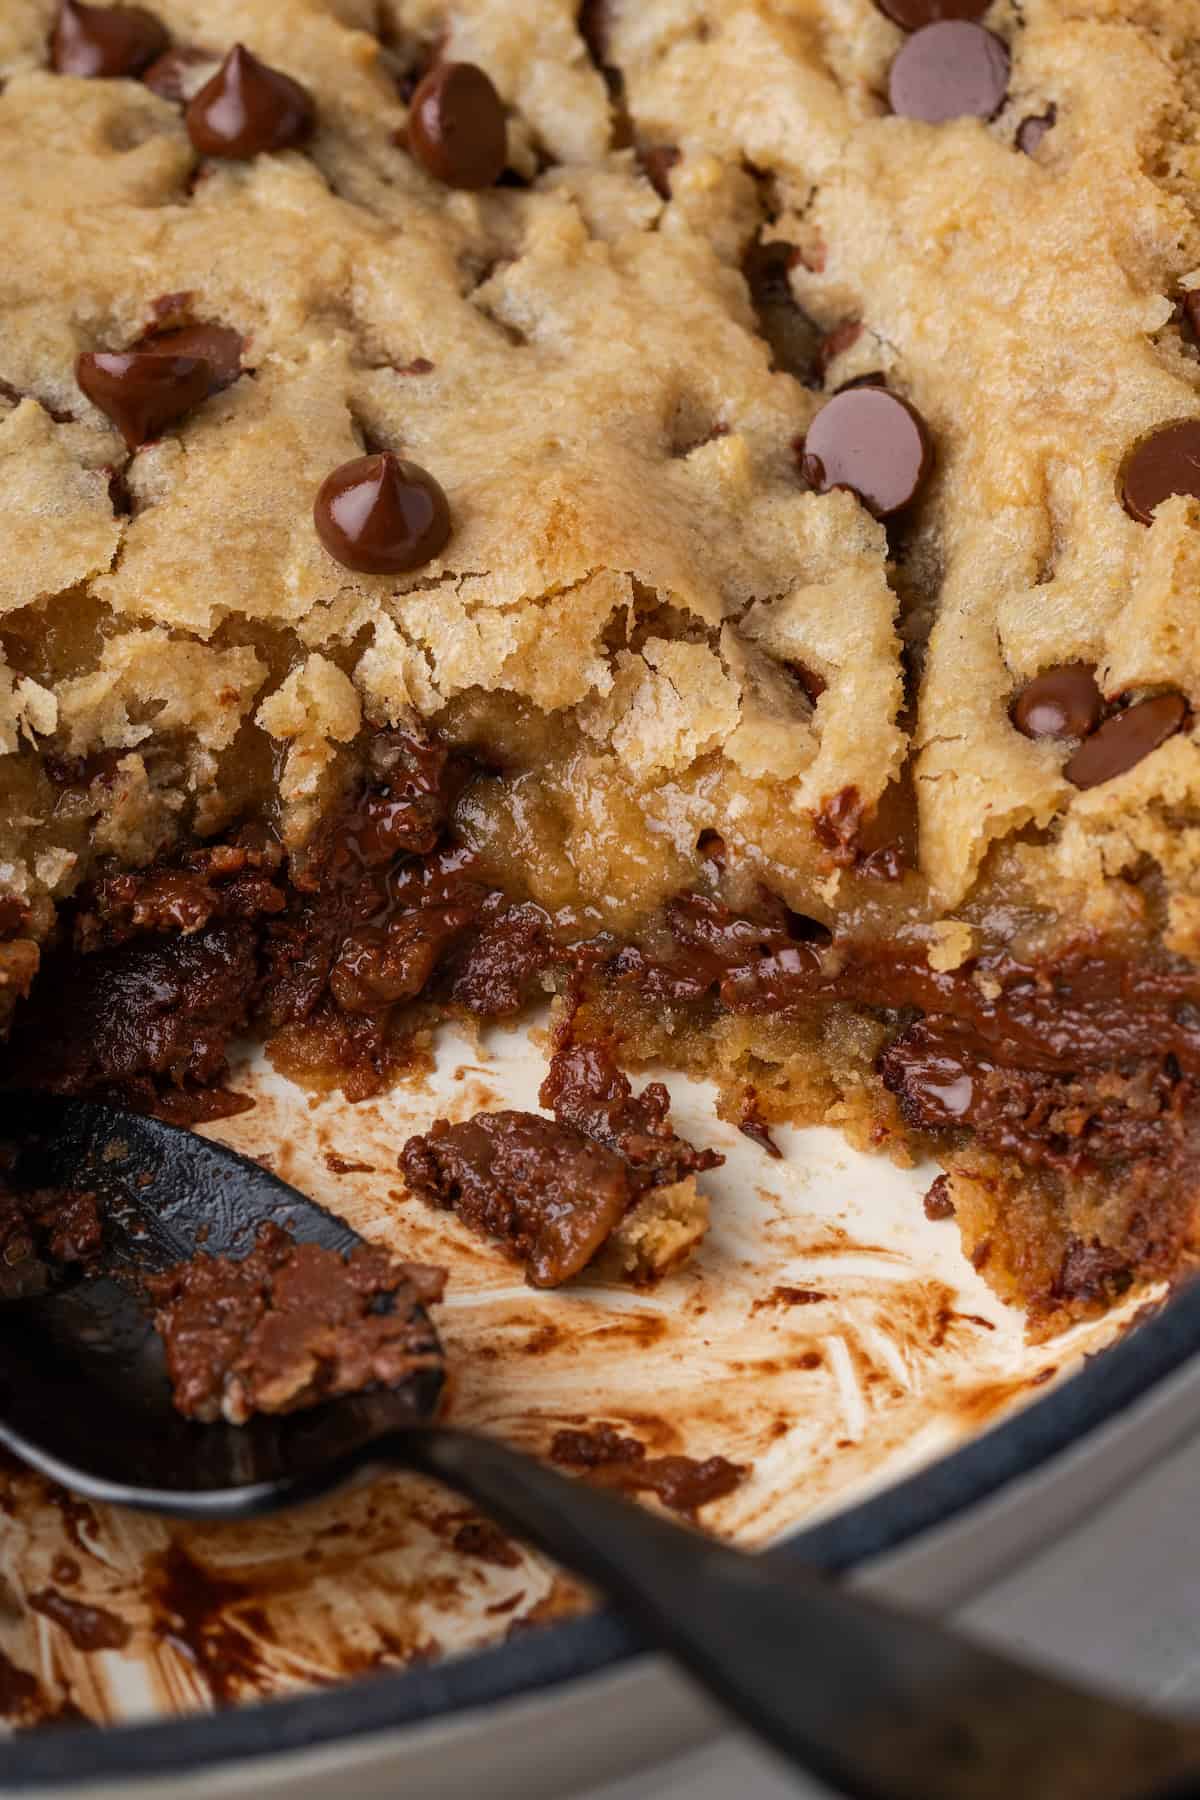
x,y
196,1610
584,1088
485,1541
554,1190
289,1325
1086,1059
546,1190
90,1628
680,1482
1089,1006
42,1230
150,1021
754,1126
1089,1058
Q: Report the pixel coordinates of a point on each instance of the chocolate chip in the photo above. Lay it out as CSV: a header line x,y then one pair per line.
x,y
911,15
456,126
594,26
119,496
793,338
219,345
248,107
142,392
1125,739
837,825
178,74
814,685
380,515
1032,130
1161,465
656,162
170,310
1063,703
950,70
836,342
873,378
1191,311
871,442
105,40
1091,1272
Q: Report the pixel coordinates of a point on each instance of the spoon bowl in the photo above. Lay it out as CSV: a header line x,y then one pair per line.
x,y
84,1392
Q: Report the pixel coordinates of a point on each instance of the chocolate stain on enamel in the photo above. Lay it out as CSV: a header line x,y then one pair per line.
x,y
90,1628
230,1629
484,1540
193,1610
682,1483
783,1296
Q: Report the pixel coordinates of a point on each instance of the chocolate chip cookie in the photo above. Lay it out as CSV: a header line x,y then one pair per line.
x,y
691,510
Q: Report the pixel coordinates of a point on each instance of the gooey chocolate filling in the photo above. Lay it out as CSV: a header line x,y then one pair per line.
x,y
1083,1060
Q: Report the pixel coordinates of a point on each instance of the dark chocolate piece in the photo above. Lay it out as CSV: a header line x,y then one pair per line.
x,y
549,1191
143,391
1165,463
456,126
248,108
1122,741
1062,703
951,70
911,15
871,442
380,515
107,41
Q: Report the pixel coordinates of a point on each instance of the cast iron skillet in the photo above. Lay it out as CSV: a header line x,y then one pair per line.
x,y
883,1704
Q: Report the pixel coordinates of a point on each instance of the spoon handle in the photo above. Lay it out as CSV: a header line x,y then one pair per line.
x,y
881,1704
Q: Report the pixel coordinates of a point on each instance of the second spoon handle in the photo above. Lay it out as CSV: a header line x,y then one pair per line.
x,y
881,1704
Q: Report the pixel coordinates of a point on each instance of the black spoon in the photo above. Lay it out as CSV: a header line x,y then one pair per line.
x,y
880,1704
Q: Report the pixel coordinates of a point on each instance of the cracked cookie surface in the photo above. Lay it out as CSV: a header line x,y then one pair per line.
x,y
587,384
